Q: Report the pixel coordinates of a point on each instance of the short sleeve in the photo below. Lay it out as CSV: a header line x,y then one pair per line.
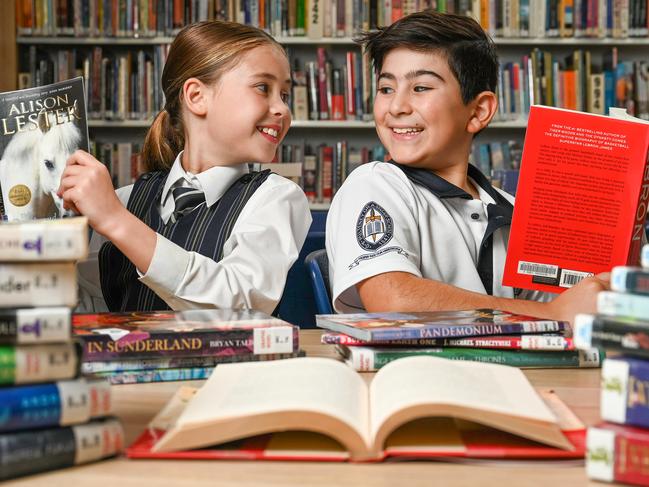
x,y
371,229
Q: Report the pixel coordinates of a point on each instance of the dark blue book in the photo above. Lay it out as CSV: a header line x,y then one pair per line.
x,y
436,324
60,403
29,452
625,389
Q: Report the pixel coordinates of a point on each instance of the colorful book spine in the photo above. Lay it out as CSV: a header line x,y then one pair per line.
x,y
45,240
617,454
217,343
365,359
623,305
54,404
38,363
35,325
627,335
177,362
29,452
625,391
625,279
163,375
522,342
38,284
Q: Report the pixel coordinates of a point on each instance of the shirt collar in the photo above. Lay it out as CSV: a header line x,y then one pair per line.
x,y
213,182
441,188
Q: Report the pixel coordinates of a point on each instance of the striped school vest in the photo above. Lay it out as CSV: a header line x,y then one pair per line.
x,y
203,230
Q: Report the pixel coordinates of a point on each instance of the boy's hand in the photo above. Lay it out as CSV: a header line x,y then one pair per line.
x,y
86,188
581,298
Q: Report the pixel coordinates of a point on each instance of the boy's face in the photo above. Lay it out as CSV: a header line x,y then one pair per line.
x,y
419,113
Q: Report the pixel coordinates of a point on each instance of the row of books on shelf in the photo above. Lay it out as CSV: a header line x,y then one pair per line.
x,y
125,85
330,18
576,82
617,448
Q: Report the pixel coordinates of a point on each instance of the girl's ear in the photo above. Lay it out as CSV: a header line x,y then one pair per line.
x,y
194,96
485,105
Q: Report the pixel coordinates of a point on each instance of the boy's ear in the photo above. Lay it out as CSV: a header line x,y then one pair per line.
x,y
194,96
485,106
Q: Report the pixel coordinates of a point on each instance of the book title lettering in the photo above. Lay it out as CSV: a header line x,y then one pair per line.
x,y
25,116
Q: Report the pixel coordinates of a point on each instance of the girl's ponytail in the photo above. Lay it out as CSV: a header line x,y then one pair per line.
x,y
162,143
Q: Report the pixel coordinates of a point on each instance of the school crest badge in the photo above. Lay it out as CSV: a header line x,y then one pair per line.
x,y
374,227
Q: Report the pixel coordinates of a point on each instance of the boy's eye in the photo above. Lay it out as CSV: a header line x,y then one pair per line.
x,y
385,90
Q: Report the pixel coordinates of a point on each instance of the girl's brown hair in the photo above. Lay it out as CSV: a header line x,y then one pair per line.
x,y
204,50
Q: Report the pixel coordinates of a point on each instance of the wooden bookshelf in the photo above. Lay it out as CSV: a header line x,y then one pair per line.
x,y
8,47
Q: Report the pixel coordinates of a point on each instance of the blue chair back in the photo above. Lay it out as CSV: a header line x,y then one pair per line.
x,y
317,266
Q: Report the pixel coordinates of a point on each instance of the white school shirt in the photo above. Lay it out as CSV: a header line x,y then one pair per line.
x,y
265,241
418,232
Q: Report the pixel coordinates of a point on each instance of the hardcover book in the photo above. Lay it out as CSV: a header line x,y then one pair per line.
x,y
627,335
40,128
29,452
35,325
191,333
625,382
39,363
618,454
582,198
45,240
38,284
320,409
370,359
379,327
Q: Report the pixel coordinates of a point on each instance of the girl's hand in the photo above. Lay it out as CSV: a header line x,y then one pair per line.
x,y
86,188
581,298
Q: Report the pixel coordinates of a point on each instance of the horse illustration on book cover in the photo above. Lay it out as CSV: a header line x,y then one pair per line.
x,y
39,129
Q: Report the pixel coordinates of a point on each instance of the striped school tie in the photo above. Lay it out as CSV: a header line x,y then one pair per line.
x,y
185,199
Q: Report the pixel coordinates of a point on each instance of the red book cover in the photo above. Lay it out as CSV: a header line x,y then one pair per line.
x,y
582,198
616,453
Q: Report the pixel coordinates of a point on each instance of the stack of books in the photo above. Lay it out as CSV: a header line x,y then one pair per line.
x,y
160,346
618,448
51,418
368,341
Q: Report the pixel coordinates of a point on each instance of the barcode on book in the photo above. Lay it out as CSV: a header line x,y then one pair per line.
x,y
534,269
570,278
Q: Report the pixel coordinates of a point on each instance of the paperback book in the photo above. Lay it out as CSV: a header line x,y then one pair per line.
x,y
627,335
582,198
28,364
319,409
45,240
380,327
191,333
21,326
40,128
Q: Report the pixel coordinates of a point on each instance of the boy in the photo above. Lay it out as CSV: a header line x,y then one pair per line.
x,y
426,230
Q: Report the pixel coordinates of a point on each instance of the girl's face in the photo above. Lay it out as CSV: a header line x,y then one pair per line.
x,y
248,113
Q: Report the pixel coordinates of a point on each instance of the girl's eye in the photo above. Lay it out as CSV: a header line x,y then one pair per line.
x,y
285,98
419,89
385,90
263,87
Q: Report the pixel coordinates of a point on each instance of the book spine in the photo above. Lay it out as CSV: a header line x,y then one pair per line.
x,y
627,279
640,214
460,331
163,375
53,404
368,359
43,241
523,342
29,452
176,362
625,385
622,305
50,284
256,341
34,325
617,454
38,363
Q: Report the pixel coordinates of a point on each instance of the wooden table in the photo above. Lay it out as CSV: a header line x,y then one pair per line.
x,y
137,404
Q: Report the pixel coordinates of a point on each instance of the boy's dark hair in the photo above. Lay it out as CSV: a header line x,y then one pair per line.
x,y
470,51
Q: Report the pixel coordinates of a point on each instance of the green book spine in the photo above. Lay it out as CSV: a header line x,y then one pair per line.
x,y
367,359
39,363
300,17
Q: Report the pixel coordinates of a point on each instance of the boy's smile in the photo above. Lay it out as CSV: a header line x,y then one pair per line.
x,y
419,113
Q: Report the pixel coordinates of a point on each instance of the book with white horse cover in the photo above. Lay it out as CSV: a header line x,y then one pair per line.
x,y
39,129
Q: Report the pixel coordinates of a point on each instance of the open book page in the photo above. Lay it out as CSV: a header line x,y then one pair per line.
x,y
495,395
304,393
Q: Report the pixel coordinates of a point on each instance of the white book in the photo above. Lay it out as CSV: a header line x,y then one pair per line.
x,y
44,240
38,284
623,305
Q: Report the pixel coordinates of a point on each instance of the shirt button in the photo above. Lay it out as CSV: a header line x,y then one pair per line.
x,y
475,216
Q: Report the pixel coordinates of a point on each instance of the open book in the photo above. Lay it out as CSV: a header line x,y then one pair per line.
x,y
419,406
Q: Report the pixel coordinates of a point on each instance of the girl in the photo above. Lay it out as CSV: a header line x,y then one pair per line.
x,y
197,230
